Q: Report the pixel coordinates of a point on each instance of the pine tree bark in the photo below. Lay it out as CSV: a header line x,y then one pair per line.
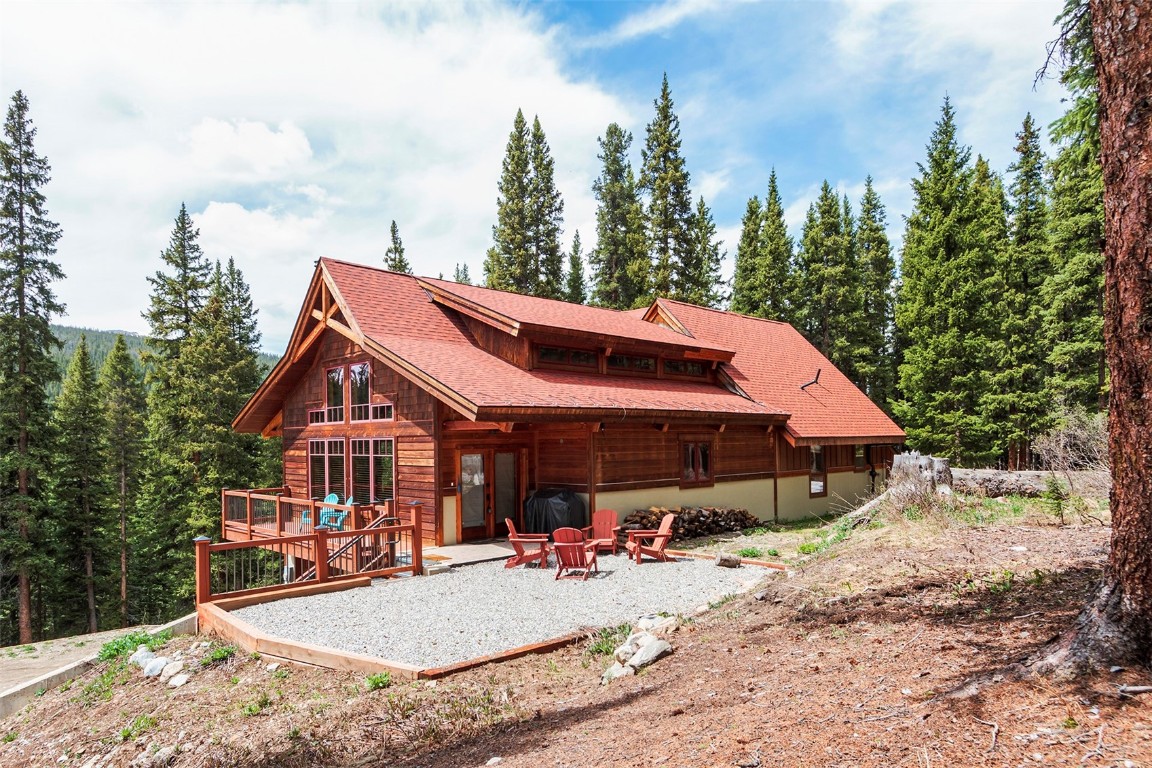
x,y
1116,627
123,543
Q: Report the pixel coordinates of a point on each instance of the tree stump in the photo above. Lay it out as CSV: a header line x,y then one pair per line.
x,y
727,560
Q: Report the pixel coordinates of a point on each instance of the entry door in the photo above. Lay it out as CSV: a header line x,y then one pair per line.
x,y
489,492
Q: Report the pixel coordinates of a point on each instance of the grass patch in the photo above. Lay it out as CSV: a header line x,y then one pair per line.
x,y
750,552
722,601
218,655
378,680
605,641
127,644
114,674
10,737
262,702
139,725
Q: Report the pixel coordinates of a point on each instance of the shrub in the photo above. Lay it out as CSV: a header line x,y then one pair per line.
x,y
218,655
126,645
750,552
378,680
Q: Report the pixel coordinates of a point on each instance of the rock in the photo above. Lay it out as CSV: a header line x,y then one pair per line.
x,y
155,666
656,624
171,669
649,653
149,759
142,656
272,667
615,671
624,653
494,761
178,680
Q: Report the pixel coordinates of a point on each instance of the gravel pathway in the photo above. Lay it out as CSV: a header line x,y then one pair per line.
x,y
480,609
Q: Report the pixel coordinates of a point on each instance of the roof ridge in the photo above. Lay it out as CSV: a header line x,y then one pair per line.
x,y
727,312
526,295
346,263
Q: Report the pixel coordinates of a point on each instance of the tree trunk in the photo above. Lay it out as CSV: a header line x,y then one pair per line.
x,y
123,545
1116,627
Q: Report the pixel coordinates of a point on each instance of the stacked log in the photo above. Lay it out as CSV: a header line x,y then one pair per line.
x,y
692,522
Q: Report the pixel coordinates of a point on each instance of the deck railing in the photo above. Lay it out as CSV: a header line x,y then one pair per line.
x,y
272,512
268,563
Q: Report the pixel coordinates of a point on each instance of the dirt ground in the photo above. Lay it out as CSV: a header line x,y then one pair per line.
x,y
900,645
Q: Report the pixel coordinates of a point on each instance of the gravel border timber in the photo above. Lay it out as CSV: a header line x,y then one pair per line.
x,y
476,610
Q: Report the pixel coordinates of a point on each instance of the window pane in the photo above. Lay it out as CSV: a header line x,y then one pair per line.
x,y
382,469
359,389
361,478
580,357
553,355
644,363
316,467
675,366
704,466
335,387
688,471
382,412
617,361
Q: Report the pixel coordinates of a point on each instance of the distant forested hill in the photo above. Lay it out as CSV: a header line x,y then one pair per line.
x,y
100,344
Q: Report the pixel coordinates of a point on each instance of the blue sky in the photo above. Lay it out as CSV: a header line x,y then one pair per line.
x,y
295,130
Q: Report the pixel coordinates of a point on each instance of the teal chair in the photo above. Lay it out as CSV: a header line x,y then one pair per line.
x,y
334,518
306,518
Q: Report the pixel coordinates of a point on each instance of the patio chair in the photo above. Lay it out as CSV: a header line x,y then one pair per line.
x,y
528,546
603,529
306,516
574,553
334,518
651,543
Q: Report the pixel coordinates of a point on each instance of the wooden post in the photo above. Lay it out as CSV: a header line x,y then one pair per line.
x,y
314,512
203,572
320,550
248,509
417,539
279,516
223,511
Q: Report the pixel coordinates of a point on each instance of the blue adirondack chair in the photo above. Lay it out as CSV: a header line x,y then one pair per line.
x,y
306,517
334,518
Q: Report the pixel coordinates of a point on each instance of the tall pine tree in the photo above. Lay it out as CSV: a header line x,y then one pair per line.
x,y
575,291
394,259
619,262
122,392
545,217
703,286
746,288
1018,402
944,319
461,275
876,364
81,543
664,180
509,264
27,303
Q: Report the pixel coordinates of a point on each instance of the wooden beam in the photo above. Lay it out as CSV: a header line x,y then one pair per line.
x,y
309,340
506,426
722,427
273,428
663,427
459,425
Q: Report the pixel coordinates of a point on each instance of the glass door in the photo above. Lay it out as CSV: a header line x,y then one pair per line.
x,y
489,491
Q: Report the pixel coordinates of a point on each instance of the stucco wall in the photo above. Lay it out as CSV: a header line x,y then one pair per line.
x,y
753,495
846,490
448,504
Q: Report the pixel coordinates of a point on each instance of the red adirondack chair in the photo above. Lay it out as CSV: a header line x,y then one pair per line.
x,y
656,540
574,553
603,529
528,546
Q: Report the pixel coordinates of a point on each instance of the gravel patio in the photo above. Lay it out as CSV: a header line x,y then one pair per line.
x,y
481,609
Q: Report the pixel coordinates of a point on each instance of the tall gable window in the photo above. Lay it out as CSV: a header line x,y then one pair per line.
x,y
360,391
817,474
326,468
334,395
373,471
696,463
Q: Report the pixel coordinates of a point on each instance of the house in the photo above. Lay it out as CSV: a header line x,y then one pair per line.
x,y
466,400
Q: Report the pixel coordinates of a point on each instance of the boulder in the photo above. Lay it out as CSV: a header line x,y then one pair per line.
x,y
171,669
142,656
178,680
155,666
649,653
615,671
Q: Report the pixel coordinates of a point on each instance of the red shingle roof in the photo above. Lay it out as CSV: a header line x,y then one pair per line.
x,y
773,360
392,311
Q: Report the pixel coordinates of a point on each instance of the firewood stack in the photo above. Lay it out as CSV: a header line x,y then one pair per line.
x,y
692,522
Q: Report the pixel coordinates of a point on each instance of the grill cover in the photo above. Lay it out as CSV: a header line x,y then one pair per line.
x,y
552,508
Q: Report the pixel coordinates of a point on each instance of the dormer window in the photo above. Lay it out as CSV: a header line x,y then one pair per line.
x,y
632,364
564,357
683,368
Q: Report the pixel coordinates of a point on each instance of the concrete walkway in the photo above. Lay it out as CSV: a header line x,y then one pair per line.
x,y
472,552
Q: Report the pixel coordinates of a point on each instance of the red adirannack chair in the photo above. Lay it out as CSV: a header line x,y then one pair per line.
x,y
603,529
528,546
657,541
573,553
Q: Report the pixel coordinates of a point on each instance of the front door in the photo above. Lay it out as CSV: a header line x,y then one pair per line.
x,y
489,491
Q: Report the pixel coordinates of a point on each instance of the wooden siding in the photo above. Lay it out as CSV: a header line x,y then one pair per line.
x,y
562,458
413,428
514,349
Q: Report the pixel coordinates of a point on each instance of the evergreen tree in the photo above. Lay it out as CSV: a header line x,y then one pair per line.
x,y
81,545
122,391
509,265
704,286
545,216
27,303
665,181
394,257
461,275
944,318
177,296
1073,296
876,268
619,262
746,288
774,272
828,306
1018,403
576,293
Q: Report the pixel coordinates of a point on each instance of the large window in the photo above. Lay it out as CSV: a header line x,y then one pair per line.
x,y
334,395
817,475
373,470
360,391
562,357
695,463
326,468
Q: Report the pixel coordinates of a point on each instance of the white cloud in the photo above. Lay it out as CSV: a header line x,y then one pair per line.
x,y
245,148
657,18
